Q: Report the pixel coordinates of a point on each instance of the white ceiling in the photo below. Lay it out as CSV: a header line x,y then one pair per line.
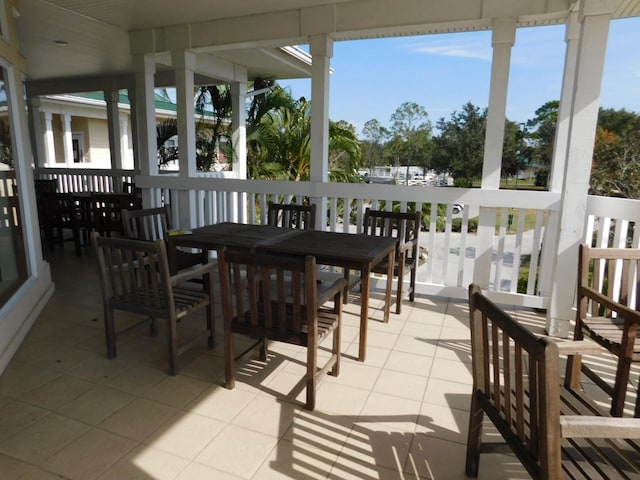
x,y
97,31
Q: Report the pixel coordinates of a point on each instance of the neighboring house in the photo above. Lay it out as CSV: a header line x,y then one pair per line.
x,y
84,116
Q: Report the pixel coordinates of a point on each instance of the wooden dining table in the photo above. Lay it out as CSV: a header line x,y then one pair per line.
x,y
350,251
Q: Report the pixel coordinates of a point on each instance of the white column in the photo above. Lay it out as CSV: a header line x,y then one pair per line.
x,y
36,122
145,135
239,141
594,18
239,125
49,145
321,49
184,65
113,123
558,162
67,139
504,31
127,162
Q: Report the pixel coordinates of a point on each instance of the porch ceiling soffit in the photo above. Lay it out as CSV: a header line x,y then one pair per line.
x,y
98,33
348,20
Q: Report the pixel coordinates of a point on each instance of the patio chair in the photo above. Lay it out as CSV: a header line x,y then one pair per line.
x,y
406,228
291,215
275,297
108,210
152,224
555,432
608,298
59,217
135,278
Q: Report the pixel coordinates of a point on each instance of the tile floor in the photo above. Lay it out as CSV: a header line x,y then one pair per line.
x,y
68,412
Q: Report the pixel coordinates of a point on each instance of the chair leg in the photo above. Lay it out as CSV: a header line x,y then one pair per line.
x,y
264,351
337,336
412,284
574,364
172,340
210,325
110,332
620,386
312,379
229,359
399,294
474,437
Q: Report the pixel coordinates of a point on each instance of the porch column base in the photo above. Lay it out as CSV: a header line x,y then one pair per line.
x,y
558,327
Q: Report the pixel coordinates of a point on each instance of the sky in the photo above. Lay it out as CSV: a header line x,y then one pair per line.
x,y
372,78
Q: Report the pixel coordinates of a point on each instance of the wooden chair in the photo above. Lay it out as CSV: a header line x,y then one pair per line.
x,y
274,297
608,298
108,211
151,224
135,278
292,215
59,217
555,432
406,228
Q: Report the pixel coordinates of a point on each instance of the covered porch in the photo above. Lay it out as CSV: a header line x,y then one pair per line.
x,y
539,229
68,411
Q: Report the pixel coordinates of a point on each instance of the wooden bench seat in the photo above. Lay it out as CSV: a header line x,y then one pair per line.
x,y
555,431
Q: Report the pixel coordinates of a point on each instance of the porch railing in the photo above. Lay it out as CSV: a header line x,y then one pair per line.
x,y
450,243
612,222
86,179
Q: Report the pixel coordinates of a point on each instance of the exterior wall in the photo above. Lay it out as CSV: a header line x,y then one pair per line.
x,y
21,310
97,152
56,123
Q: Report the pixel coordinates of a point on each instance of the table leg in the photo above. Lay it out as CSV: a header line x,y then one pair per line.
x,y
365,279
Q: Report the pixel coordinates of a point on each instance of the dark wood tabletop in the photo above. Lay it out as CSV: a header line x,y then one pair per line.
x,y
347,250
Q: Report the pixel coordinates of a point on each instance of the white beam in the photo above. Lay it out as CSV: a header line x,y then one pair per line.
x,y
581,134
321,48
502,41
144,137
113,126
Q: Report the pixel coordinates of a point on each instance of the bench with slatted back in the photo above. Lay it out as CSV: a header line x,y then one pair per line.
x,y
556,432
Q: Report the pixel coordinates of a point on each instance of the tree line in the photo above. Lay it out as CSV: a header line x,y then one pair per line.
x,y
279,141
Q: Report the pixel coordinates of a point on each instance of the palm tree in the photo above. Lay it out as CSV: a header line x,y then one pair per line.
x,y
282,136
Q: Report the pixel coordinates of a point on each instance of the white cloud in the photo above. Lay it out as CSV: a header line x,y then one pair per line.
x,y
454,48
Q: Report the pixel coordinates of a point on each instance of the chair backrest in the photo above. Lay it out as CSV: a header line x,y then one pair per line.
x,y
108,210
273,296
45,186
613,272
134,274
59,210
404,226
292,216
516,381
146,224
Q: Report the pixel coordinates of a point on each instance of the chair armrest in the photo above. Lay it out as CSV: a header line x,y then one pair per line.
x,y
622,310
579,347
405,246
584,426
327,289
193,272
